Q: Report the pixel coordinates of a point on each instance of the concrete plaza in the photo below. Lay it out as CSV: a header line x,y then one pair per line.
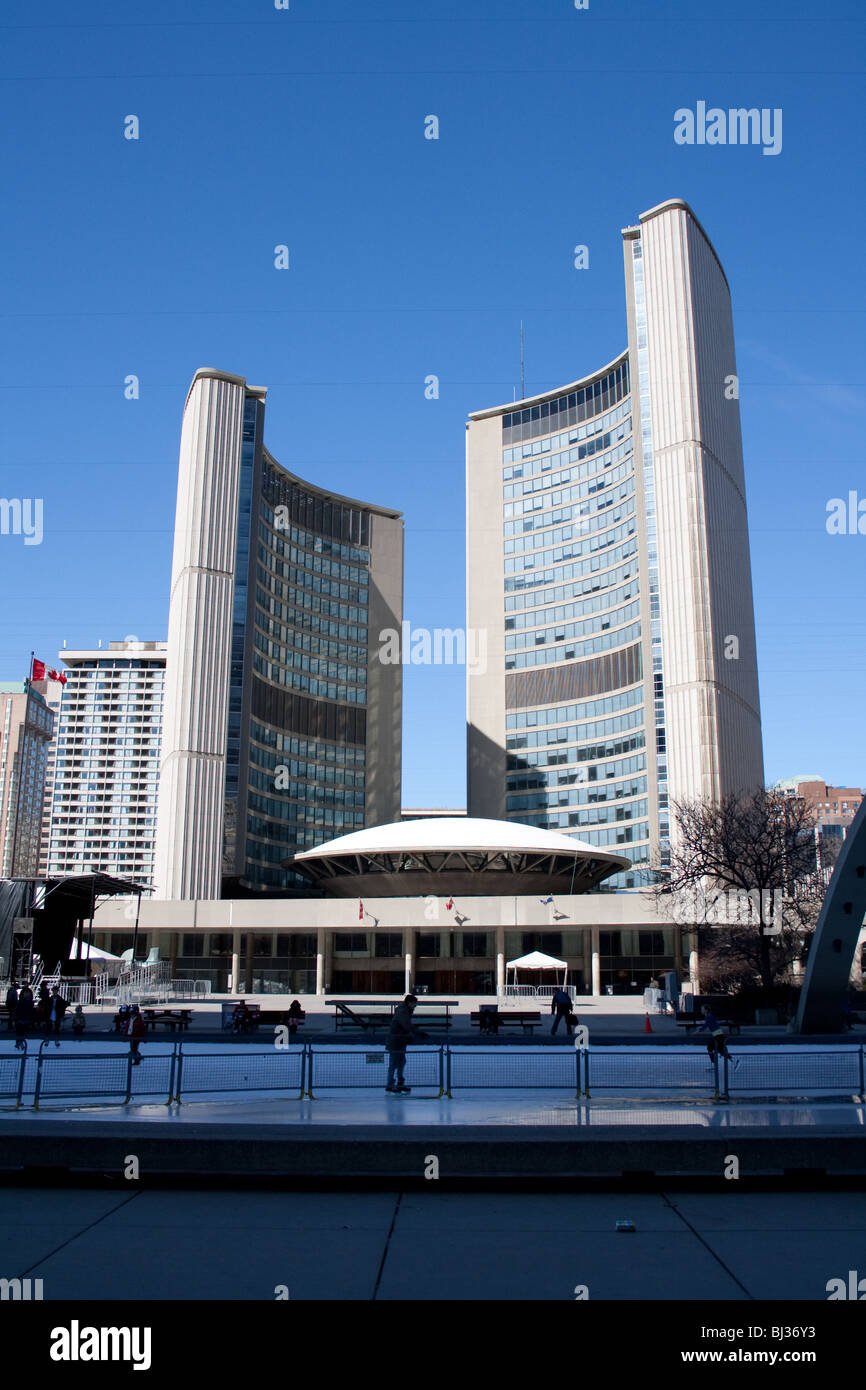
x,y
430,1244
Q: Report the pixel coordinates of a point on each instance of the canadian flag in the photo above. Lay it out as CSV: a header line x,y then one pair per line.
x,y
449,904
58,676
360,910
37,672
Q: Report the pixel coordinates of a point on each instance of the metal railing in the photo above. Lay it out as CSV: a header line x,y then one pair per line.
x,y
351,1067
48,1075
538,991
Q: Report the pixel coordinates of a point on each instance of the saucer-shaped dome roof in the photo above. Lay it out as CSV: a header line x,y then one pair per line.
x,y
455,854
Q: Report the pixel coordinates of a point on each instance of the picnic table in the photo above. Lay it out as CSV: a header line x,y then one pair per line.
x,y
490,1019
371,1014
692,1021
167,1018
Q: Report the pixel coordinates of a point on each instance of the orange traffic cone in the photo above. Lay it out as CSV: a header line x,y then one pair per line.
x,y
647,1026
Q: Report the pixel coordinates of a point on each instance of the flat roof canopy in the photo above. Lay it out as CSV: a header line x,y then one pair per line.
x,y
82,889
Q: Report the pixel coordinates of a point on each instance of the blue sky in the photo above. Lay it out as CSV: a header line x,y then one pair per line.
x,y
410,257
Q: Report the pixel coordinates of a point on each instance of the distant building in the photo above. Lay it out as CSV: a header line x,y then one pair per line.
x,y
26,730
834,809
833,806
106,766
430,813
52,691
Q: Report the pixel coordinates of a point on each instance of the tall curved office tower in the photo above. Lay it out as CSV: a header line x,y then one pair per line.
x,y
608,564
281,727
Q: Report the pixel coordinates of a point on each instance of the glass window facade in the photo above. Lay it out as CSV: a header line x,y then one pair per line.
x,y
572,592
296,767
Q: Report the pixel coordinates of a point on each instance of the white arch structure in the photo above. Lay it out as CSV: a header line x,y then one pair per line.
x,y
837,932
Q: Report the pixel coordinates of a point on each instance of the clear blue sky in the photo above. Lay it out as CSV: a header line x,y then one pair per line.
x,y
411,257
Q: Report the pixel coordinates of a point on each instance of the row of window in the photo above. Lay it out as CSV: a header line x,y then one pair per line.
x,y
565,820
570,551
281,808
286,566
593,815
317,615
286,743
621,767
270,841
293,639
547,656
577,514
563,632
287,584
569,409
534,498
599,425
523,544
332,775
590,567
581,462
558,714
577,733
320,514
608,791
274,530
325,679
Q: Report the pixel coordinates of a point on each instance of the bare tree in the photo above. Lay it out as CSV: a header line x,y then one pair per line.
x,y
744,876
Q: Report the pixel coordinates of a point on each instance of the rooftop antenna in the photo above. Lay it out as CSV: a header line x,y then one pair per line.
x,y
522,380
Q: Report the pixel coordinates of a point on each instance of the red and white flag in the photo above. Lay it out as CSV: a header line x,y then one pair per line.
x,y
360,910
449,904
37,670
60,676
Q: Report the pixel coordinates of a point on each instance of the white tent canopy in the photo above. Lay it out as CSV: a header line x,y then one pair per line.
x,y
88,952
535,960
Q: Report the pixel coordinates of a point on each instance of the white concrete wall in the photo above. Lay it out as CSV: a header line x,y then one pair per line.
x,y
192,775
711,704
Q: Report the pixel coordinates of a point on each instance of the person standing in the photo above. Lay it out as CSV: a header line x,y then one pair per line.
x,y
135,1030
400,1034
24,1011
294,1017
11,1002
78,1021
560,1004
57,1007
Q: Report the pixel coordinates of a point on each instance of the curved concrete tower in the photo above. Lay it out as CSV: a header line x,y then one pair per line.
x,y
195,720
281,725
608,566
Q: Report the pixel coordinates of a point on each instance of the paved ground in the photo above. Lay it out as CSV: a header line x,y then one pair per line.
x,y
431,1244
521,1109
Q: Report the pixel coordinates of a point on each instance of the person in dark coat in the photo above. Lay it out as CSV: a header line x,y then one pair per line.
x,y
24,1011
57,1007
11,1002
135,1029
560,1005
400,1034
293,1017
43,1003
